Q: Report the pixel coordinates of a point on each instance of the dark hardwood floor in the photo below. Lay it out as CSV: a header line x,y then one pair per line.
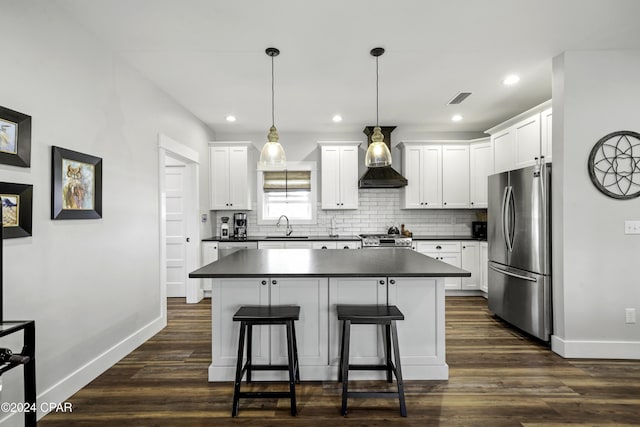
x,y
498,377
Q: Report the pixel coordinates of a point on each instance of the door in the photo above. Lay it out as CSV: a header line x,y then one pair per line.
x,y
526,210
497,189
176,226
521,298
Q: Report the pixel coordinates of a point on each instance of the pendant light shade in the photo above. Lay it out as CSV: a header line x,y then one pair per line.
x,y
272,154
378,153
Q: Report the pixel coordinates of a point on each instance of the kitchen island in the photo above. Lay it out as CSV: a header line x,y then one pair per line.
x,y
318,280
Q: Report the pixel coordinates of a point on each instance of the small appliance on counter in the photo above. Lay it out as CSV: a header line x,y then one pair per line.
x,y
240,225
385,241
224,228
479,229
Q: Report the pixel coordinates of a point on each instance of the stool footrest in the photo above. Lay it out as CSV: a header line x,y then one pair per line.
x,y
371,368
260,394
359,394
269,367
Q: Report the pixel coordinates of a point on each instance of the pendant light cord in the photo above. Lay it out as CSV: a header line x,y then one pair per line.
x,y
377,91
273,114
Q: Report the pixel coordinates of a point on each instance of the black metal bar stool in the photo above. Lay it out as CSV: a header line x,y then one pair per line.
x,y
248,316
384,315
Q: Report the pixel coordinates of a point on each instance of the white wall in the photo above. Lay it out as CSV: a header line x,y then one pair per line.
x,y
595,264
92,286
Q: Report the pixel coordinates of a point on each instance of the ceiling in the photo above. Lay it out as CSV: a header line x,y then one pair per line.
x,y
209,55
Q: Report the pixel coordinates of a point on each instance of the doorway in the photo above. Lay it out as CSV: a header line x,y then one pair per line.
x,y
179,229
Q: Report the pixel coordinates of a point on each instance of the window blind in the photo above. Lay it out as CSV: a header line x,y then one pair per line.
x,y
287,181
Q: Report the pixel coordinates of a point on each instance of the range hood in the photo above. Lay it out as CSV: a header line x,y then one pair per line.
x,y
385,177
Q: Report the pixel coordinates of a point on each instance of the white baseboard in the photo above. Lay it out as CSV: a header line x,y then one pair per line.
x,y
69,385
595,349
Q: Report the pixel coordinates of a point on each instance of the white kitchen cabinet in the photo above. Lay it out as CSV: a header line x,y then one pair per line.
x,y
526,140
417,300
546,133
230,174
209,252
470,261
522,140
484,267
311,294
503,157
480,167
227,296
445,251
269,342
287,244
455,176
366,340
335,245
422,166
339,178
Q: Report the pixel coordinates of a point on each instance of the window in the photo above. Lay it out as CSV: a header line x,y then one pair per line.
x,y
291,192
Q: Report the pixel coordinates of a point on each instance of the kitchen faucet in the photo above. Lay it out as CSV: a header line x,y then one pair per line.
x,y
289,229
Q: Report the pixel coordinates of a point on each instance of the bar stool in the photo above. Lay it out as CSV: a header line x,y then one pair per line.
x,y
385,315
248,316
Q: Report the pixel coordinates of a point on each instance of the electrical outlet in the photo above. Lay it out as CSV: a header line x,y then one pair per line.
x,y
632,227
630,315
204,217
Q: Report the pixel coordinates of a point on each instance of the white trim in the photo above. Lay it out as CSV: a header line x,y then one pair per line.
x,y
183,152
82,376
515,119
168,146
596,349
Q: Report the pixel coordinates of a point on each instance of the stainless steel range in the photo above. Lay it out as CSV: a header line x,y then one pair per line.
x,y
385,241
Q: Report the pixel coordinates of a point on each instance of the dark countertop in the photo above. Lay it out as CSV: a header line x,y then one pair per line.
x,y
326,263
345,238
448,237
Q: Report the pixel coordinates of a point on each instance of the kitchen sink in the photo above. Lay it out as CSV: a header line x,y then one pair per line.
x,y
286,237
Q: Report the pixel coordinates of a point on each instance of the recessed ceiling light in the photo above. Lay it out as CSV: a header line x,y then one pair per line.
x,y
231,118
337,118
456,118
511,80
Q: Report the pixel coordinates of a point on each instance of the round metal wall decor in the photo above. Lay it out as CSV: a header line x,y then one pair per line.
x,y
614,164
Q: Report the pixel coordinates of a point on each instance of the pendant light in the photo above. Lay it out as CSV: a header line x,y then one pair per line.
x,y
378,154
272,154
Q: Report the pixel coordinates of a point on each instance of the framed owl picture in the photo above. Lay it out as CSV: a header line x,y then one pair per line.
x,y
76,185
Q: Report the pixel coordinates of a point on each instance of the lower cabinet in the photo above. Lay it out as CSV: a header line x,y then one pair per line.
x,y
445,251
470,261
269,342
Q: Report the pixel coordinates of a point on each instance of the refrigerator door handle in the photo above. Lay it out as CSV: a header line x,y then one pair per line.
x,y
505,230
508,273
506,217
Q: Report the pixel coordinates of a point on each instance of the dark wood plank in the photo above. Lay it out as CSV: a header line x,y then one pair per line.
x,y
499,377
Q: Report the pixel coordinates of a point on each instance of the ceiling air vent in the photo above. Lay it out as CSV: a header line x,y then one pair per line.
x,y
459,98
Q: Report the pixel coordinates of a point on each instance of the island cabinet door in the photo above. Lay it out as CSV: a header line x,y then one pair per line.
x,y
227,295
312,295
421,333
366,340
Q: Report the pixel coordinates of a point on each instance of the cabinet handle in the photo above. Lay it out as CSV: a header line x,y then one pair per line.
x,y
264,282
445,203
346,247
382,282
464,247
471,203
438,247
393,282
324,247
274,282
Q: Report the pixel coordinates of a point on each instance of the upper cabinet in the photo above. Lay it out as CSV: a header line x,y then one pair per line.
x,y
339,177
422,166
522,140
438,175
455,176
229,175
480,167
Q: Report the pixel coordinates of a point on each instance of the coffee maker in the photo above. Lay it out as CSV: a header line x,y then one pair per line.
x,y
240,225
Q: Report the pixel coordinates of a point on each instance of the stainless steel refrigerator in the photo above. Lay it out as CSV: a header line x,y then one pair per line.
x,y
519,238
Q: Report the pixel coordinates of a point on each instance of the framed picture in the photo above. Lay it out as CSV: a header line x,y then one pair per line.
x,y
17,201
76,185
15,138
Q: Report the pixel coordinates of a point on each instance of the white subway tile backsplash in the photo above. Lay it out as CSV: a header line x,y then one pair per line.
x,y
379,209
